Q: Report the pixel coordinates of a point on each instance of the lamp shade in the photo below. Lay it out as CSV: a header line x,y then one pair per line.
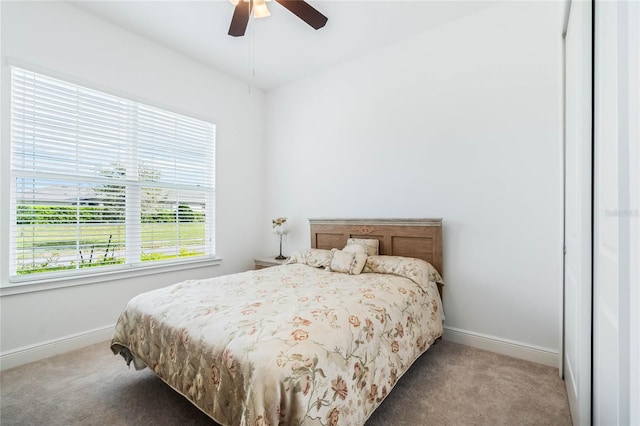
x,y
260,9
280,226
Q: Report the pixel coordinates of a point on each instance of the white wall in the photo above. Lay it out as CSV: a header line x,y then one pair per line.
x,y
57,37
462,122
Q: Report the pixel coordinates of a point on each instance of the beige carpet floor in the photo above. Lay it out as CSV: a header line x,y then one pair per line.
x,y
449,385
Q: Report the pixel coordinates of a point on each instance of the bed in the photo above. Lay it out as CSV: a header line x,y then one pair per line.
x,y
298,343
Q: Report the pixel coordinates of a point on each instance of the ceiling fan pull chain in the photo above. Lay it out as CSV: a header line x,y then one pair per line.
x,y
252,55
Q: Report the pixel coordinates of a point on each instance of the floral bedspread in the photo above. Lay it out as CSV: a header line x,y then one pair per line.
x,y
290,344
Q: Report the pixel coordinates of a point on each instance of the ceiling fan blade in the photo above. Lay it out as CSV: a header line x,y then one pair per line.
x,y
306,12
240,18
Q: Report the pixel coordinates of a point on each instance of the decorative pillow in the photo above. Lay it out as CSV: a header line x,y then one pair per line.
x,y
370,244
347,262
317,258
355,248
361,256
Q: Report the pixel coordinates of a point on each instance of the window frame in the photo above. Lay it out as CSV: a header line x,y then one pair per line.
x,y
16,284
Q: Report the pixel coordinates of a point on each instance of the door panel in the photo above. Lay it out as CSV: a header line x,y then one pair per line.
x,y
616,80
633,86
577,279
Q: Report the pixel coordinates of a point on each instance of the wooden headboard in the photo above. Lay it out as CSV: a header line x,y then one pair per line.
x,y
419,238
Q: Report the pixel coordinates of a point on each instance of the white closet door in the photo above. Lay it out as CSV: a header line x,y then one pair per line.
x,y
633,64
606,356
615,213
577,276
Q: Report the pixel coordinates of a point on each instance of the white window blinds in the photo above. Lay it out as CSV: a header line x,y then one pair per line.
x,y
102,181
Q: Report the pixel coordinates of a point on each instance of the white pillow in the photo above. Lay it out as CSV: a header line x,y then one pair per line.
x,y
355,248
370,244
348,262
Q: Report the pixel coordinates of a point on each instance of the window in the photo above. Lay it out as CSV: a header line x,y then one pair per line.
x,y
100,181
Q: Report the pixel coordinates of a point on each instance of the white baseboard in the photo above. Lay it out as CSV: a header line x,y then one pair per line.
x,y
511,348
44,350
50,348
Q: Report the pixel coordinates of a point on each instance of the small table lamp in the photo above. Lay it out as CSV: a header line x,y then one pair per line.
x,y
280,227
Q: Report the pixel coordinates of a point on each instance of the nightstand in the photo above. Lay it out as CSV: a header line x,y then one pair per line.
x,y
265,262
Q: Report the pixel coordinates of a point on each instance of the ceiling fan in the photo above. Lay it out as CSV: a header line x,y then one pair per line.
x,y
300,8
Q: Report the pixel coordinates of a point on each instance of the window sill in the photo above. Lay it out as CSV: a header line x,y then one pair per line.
x,y
48,283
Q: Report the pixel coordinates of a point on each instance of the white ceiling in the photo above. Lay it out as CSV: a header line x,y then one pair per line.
x,y
280,48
